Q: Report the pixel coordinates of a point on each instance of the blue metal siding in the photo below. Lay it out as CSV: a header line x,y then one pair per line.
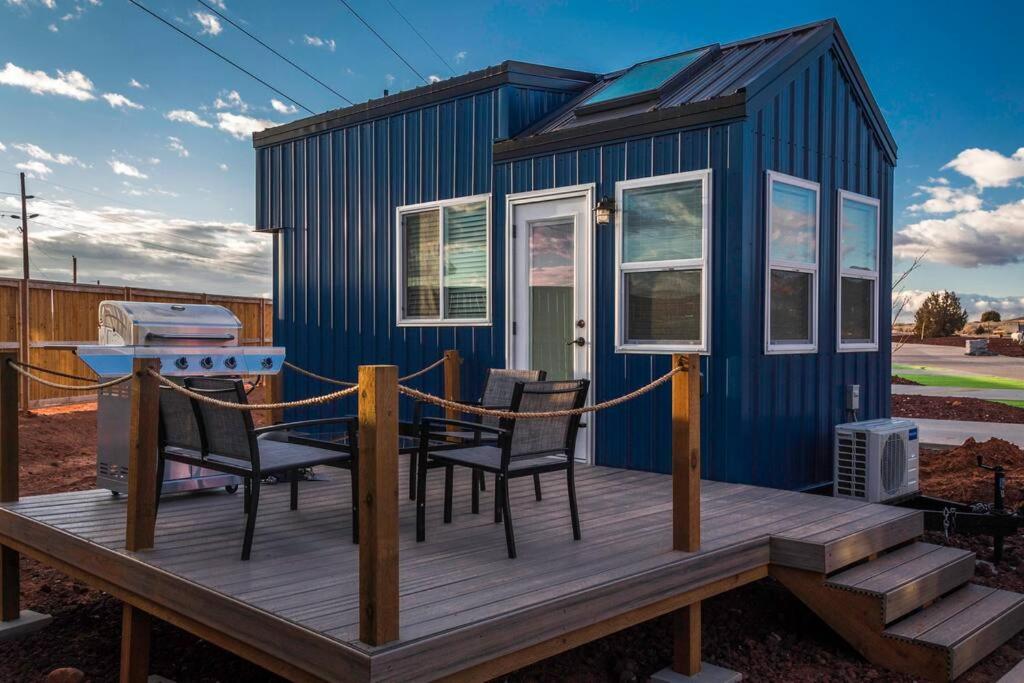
x,y
333,197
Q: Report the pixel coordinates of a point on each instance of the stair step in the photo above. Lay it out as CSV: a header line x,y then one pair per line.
x,y
845,538
909,577
968,624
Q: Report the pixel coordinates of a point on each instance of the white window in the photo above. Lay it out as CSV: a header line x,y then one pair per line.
x,y
791,275
443,262
662,250
857,327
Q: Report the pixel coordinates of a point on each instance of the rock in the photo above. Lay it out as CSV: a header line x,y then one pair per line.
x,y
65,675
985,568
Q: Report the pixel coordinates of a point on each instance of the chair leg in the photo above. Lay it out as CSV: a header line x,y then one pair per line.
x,y
160,466
498,505
536,485
574,511
449,481
293,479
250,522
475,496
421,499
413,457
247,496
354,475
510,538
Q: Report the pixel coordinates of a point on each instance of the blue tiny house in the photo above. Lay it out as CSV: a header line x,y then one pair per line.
x,y
733,200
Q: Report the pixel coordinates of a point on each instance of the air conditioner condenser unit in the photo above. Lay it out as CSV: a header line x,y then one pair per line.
x,y
876,460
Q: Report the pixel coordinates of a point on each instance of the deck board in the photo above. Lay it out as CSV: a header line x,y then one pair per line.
x,y
460,595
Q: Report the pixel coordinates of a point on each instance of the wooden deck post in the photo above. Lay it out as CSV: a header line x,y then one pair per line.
x,y
140,528
378,504
686,454
136,629
275,394
10,573
452,381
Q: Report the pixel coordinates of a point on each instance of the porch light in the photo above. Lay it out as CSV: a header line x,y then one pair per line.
x,y
604,210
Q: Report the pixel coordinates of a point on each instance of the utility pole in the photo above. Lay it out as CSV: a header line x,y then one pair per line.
x,y
24,339
74,270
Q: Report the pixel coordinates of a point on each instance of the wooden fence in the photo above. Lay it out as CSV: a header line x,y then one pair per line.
x,y
62,313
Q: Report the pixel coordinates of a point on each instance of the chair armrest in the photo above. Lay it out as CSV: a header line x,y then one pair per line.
x,y
349,419
429,422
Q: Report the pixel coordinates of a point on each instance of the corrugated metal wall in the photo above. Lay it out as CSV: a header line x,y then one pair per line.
x,y
767,419
333,197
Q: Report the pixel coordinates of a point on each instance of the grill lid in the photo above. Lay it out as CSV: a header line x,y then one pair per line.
x,y
146,323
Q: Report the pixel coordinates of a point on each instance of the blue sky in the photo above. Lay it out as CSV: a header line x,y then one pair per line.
x,y
151,131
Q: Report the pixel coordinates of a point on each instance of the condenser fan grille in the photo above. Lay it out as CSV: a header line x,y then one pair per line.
x,y
894,463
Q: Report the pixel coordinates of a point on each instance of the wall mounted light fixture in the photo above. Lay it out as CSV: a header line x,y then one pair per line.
x,y
604,210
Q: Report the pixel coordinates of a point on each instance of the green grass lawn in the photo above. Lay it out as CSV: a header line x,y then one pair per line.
x,y
932,378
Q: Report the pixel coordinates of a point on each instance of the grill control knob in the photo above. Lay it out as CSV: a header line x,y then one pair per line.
x,y
207,363
230,363
267,363
181,363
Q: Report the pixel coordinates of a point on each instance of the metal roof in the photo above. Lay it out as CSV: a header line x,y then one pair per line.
x,y
733,68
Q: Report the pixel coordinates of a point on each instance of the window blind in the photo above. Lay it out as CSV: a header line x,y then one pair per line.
x,y
465,261
422,279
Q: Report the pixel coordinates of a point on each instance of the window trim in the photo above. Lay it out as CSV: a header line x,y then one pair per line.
x,y
770,348
441,321
704,262
851,347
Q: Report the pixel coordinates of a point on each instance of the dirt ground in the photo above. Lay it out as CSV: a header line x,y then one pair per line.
x,y
945,408
760,629
1002,346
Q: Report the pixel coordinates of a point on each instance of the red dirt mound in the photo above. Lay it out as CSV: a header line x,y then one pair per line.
x,y
944,408
896,379
955,474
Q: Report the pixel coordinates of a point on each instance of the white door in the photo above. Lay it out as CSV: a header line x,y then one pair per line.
x,y
550,312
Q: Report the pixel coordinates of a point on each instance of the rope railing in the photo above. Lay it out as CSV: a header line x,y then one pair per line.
x,y
344,383
300,403
527,415
20,368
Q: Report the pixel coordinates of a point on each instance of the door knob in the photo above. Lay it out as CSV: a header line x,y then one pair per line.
x,y
578,341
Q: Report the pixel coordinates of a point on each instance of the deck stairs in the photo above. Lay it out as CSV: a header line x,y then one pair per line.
x,y
903,604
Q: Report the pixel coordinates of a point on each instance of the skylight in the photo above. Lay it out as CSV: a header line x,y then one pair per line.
x,y
646,77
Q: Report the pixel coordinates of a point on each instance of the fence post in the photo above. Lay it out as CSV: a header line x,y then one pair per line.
x,y
452,381
25,337
10,572
378,503
275,394
136,634
140,528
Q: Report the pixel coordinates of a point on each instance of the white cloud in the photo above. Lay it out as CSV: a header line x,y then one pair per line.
x,y
73,84
230,100
389,79
3,147
282,108
241,127
974,304
36,169
988,168
969,239
433,78
220,4
139,248
118,101
210,23
121,168
153,161
136,84
317,41
53,28
223,167
174,144
945,199
37,152
189,117
49,4
460,56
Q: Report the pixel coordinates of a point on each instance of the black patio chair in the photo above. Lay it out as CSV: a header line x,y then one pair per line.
x,y
497,394
225,440
523,447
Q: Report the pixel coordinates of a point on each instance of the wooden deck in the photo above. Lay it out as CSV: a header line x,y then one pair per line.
x,y
466,609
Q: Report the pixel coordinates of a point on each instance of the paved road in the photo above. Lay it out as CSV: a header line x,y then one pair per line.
x,y
955,432
959,392
951,359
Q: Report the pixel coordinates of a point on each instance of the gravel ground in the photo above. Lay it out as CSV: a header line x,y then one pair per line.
x,y
1002,346
759,629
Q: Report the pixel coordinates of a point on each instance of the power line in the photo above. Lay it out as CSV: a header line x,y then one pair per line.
x,y
210,49
221,15
425,41
379,36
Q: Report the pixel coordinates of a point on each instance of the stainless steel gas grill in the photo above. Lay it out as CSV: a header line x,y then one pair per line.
x,y
189,340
